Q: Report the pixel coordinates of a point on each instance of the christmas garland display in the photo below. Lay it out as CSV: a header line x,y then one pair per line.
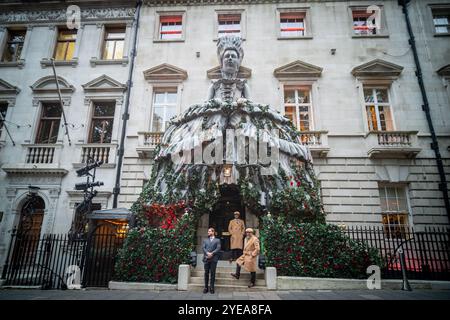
x,y
177,194
314,250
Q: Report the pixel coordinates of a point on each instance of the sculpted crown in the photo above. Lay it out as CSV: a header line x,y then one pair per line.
x,y
229,42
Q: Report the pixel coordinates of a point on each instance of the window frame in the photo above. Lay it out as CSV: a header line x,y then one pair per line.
x,y
391,230
165,90
296,105
376,105
93,117
382,33
307,25
157,26
105,34
2,123
7,40
433,7
40,123
57,41
243,23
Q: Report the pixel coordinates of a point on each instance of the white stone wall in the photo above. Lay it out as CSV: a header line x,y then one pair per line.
x,y
57,189
349,178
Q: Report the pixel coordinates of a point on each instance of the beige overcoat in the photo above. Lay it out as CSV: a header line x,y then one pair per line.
x,y
249,259
236,228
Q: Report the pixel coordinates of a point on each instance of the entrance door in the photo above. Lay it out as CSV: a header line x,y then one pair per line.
x,y
229,202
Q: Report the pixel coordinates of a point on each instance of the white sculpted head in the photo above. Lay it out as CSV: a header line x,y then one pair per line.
x,y
230,54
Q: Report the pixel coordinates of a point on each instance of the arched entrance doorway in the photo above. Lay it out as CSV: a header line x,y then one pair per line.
x,y
229,202
31,217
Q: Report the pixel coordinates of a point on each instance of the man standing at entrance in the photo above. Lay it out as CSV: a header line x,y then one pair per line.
x,y
211,251
249,258
236,228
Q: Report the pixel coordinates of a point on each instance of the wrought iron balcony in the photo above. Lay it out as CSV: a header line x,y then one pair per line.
x,y
392,144
147,142
317,142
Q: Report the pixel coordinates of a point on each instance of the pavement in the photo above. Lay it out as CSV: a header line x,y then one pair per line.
x,y
105,294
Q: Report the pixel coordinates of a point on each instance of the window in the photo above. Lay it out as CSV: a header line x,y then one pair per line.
x,y
297,107
3,110
378,109
65,44
229,24
170,27
394,210
113,43
14,45
102,122
441,20
360,23
164,108
49,123
292,24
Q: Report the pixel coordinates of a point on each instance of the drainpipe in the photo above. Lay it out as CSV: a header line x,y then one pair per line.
x,y
426,108
126,115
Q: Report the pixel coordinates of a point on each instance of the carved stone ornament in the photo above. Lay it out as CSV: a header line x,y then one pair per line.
x,y
89,14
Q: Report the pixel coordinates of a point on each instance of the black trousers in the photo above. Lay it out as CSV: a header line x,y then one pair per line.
x,y
210,267
236,253
252,274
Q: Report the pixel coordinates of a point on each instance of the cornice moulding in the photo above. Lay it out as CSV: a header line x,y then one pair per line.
x,y
59,15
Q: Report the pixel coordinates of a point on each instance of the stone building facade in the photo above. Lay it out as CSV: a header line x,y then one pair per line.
x,y
350,87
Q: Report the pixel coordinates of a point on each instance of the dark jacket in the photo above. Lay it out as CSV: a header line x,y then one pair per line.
x,y
211,246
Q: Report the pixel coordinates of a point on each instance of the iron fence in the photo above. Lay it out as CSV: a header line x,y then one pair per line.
x,y
50,260
427,253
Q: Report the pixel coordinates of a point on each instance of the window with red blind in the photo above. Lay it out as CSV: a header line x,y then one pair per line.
x,y
229,24
292,24
360,23
171,27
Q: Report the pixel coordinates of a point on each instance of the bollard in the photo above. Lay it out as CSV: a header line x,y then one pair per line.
x,y
405,284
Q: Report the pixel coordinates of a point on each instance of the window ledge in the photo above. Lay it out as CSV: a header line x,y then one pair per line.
x,y
437,35
354,36
77,165
48,62
295,38
96,61
16,64
168,40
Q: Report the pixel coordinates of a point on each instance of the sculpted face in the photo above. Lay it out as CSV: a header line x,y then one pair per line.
x,y
230,61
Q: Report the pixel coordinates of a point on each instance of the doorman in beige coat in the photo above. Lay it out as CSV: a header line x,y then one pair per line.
x,y
236,229
249,257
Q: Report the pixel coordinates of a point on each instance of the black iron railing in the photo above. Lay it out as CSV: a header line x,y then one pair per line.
x,y
49,261
427,253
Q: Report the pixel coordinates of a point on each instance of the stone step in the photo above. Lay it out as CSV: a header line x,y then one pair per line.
x,y
226,288
229,269
228,281
244,275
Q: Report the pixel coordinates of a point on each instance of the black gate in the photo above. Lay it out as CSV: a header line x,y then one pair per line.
x,y
51,260
101,255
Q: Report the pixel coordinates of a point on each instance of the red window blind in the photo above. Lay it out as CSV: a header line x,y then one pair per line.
x,y
292,15
292,21
170,19
230,17
361,14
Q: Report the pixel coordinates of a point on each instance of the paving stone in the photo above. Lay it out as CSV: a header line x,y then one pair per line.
x,y
260,295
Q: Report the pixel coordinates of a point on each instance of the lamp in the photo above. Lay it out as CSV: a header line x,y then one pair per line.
x,y
33,190
227,170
